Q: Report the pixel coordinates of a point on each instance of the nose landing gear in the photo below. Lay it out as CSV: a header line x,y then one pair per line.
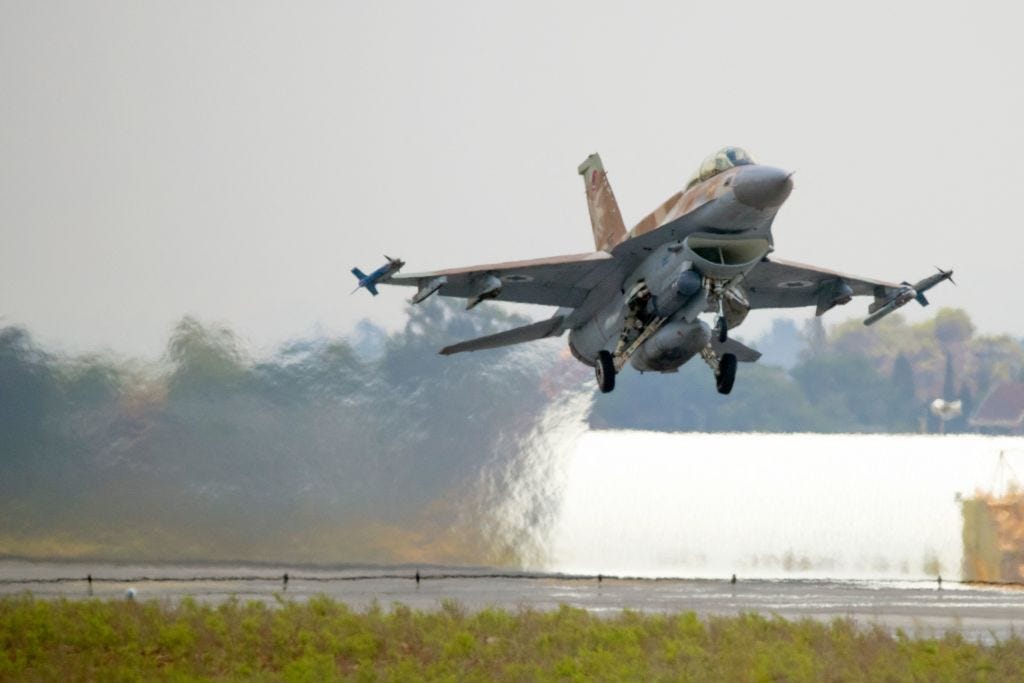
x,y
722,329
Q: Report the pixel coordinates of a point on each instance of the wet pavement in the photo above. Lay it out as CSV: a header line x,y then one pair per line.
x,y
918,608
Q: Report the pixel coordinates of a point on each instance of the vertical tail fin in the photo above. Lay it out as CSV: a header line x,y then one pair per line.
x,y
605,218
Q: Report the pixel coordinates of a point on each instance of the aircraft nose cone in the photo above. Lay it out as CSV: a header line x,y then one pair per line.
x,y
762,187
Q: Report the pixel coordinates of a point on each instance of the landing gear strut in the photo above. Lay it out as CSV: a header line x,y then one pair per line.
x,y
604,369
717,291
722,329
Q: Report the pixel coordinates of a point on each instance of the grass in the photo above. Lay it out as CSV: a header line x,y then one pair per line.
x,y
323,640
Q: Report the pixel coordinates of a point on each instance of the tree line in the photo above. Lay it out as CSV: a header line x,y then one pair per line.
x,y
372,447
851,378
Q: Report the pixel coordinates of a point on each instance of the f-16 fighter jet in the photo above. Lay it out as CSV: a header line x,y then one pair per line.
x,y
639,297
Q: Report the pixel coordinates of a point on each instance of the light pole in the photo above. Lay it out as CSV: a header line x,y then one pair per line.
x,y
946,411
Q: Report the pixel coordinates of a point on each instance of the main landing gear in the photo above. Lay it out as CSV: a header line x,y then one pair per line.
x,y
726,375
723,366
639,325
604,368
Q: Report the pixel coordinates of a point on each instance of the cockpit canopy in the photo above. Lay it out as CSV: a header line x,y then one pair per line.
x,y
722,160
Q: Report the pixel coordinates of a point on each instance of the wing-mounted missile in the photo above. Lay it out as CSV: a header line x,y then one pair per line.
x,y
888,300
384,272
883,306
929,282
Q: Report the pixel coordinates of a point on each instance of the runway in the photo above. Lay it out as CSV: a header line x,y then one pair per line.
x,y
919,608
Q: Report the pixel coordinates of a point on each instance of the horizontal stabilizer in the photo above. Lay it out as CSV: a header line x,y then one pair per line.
x,y
744,354
539,330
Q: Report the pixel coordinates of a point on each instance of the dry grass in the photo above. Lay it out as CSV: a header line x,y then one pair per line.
x,y
324,640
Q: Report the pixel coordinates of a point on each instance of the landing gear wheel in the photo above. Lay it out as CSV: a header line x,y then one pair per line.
x,y
726,375
604,368
722,330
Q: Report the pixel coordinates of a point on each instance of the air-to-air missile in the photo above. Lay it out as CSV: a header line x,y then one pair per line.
x,y
883,307
370,281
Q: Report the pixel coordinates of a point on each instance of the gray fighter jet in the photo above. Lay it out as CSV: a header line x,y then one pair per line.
x,y
640,296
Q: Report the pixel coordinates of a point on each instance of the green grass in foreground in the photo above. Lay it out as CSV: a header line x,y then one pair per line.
x,y
323,640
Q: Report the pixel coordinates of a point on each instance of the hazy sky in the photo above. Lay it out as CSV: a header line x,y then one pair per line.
x,y
232,160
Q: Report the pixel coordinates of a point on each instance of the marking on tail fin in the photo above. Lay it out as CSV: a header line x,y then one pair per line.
x,y
605,217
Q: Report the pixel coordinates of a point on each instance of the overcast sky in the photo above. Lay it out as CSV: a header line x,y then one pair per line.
x,y
232,160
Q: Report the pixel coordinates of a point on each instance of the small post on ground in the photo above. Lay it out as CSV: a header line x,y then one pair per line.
x,y
417,578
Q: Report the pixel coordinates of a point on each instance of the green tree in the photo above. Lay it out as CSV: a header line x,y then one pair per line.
x,y
847,387
906,409
205,359
953,326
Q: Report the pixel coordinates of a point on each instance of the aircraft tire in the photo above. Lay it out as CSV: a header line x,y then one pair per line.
x,y
726,373
604,369
722,330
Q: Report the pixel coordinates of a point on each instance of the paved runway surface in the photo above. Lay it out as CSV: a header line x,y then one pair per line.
x,y
984,613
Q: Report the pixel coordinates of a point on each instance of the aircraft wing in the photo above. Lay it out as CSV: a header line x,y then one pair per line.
x,y
785,284
557,281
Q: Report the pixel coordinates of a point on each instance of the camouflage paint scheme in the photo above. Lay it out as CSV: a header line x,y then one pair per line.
x,y
639,296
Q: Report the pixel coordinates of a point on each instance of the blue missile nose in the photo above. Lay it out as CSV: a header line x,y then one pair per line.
x,y
762,187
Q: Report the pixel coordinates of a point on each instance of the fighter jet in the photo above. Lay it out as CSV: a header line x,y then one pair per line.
x,y
639,297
